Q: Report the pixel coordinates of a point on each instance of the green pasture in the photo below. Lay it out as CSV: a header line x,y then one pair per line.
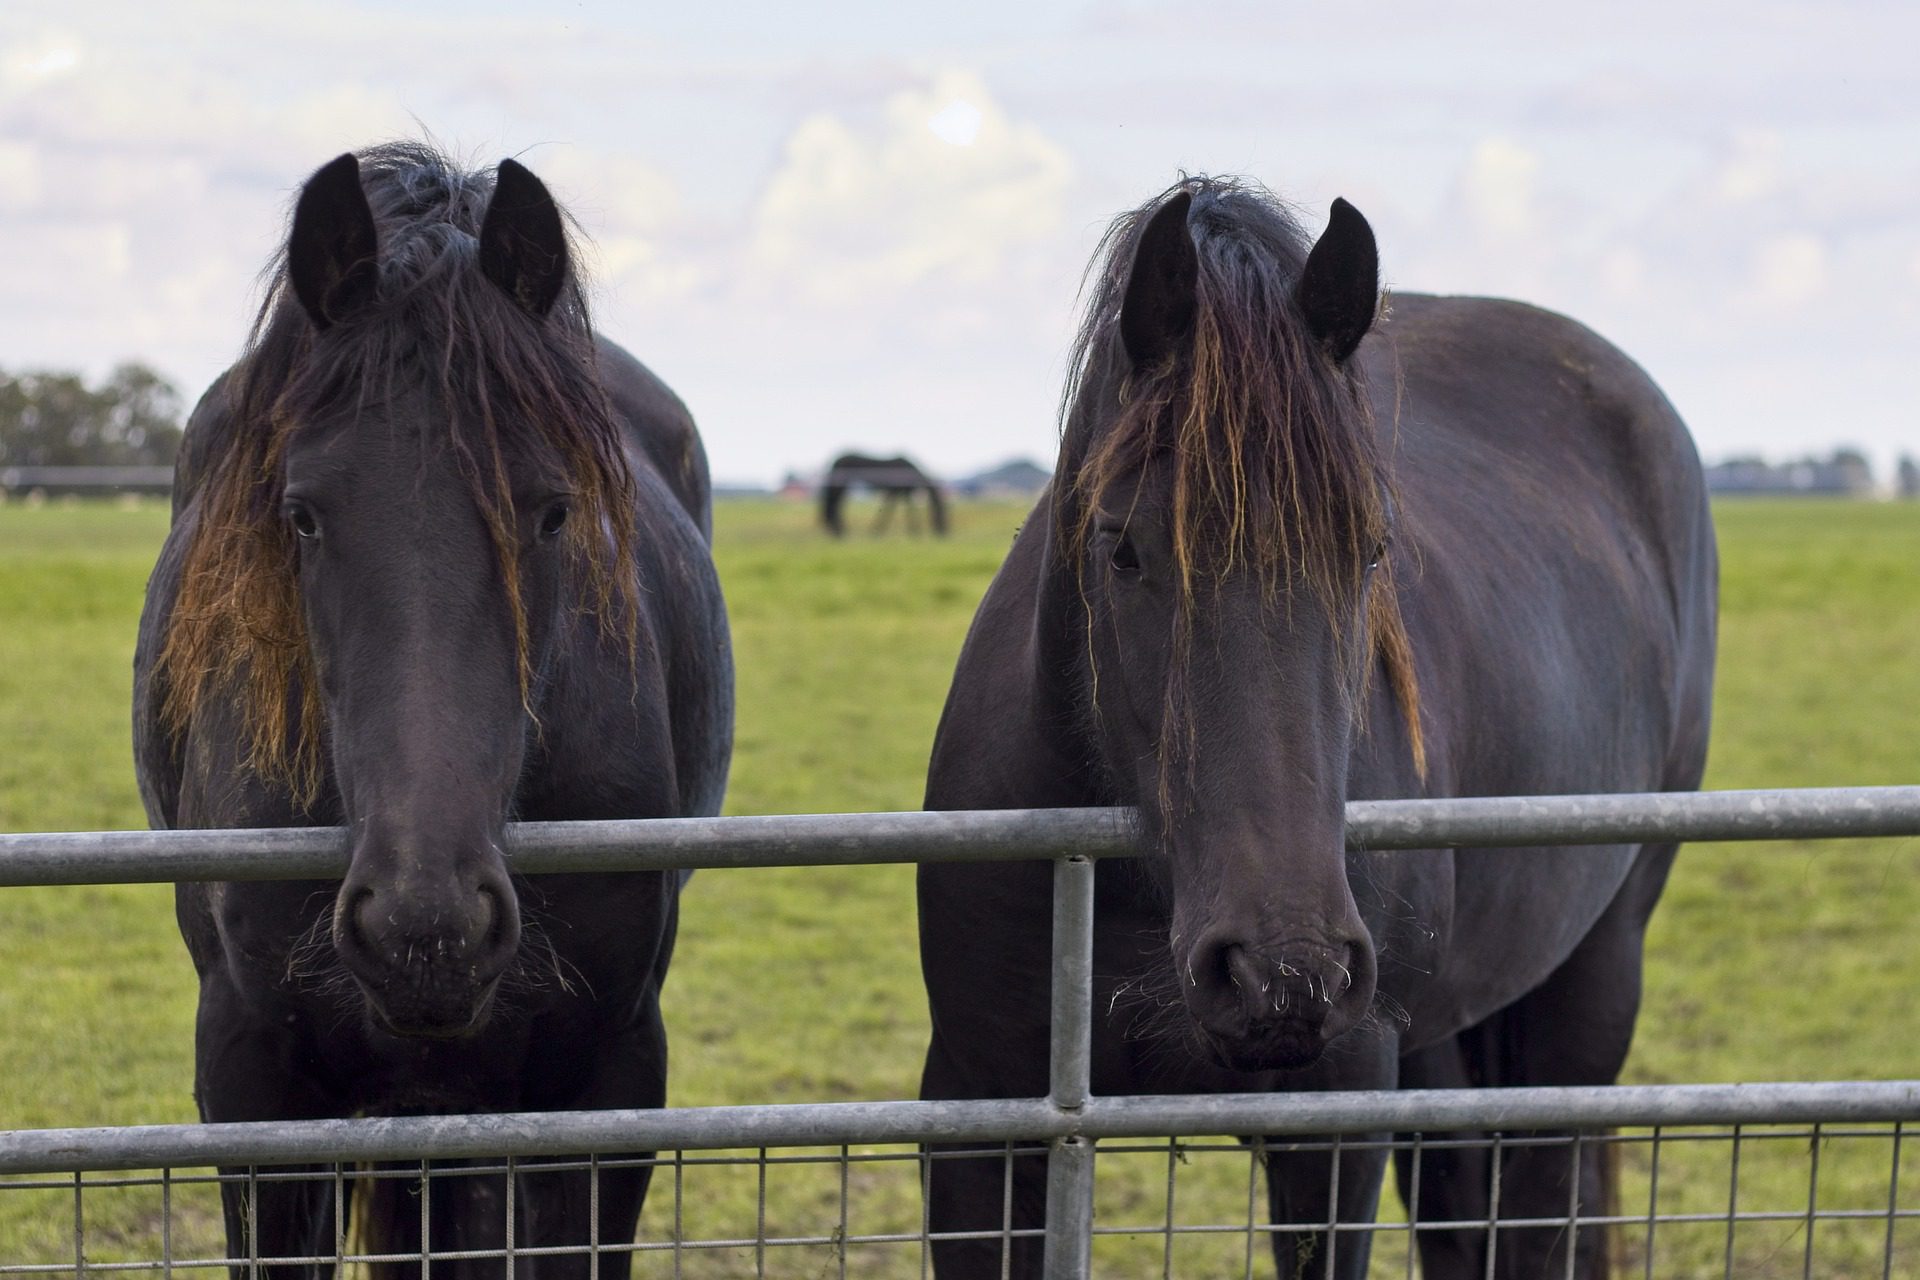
x,y
1767,962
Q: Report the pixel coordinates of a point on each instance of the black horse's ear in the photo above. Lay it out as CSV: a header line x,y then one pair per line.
x,y
1157,314
1340,288
523,242
333,252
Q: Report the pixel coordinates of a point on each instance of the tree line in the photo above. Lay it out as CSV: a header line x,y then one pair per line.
x,y
54,418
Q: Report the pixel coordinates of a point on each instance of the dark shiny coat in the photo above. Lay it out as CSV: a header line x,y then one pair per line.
x,y
431,750
1556,571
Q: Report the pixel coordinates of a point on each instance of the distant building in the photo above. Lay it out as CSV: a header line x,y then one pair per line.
x,y
724,489
1017,478
1847,474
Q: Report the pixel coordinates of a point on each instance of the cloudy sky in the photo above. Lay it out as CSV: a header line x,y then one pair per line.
x,y
865,226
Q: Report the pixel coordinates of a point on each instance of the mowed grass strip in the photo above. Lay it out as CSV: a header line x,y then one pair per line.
x,y
1766,962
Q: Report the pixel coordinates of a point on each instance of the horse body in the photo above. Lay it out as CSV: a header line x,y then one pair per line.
x,y
896,479
431,981
1553,567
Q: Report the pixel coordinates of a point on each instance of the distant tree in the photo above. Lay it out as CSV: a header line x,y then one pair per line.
x,y
52,418
1851,470
1909,476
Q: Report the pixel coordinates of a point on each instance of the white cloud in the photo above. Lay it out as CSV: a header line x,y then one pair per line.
x,y
1497,187
20,181
1623,271
857,208
1751,169
1789,270
639,244
35,59
958,123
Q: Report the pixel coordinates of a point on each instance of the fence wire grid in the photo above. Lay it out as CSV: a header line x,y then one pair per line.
x,y
1758,1201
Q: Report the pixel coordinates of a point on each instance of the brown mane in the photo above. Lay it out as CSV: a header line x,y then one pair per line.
x,y
1273,460
503,386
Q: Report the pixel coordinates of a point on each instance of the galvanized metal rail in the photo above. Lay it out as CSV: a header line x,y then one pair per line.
x,y
1069,1119
317,853
832,1124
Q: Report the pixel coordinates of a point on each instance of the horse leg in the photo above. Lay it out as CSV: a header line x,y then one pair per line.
x,y
988,1193
1444,1184
1302,1186
246,1069
557,1208
1573,1029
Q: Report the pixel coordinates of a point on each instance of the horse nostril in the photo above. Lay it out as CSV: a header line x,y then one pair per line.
x,y
498,921
1240,969
351,926
1227,977
1249,980
1348,965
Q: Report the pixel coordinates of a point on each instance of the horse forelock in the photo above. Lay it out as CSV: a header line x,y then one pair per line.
x,y
1264,450
505,390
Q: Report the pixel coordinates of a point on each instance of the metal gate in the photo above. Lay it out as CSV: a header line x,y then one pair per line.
x,y
1675,1123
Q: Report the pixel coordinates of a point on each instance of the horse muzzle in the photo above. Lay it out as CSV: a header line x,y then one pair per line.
x,y
1276,1008
428,951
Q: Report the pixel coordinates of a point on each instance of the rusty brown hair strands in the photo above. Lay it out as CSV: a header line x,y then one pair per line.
x,y
501,387
1263,449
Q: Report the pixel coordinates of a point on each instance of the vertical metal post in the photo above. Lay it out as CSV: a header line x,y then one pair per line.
x,y
1069,1241
79,1228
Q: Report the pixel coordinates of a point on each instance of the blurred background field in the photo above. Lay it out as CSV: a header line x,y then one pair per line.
x,y
1766,962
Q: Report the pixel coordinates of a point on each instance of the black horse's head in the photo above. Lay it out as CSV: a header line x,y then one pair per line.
x,y
1227,513
429,488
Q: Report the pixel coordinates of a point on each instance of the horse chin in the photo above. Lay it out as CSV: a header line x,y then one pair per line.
x,y
1281,1048
431,1015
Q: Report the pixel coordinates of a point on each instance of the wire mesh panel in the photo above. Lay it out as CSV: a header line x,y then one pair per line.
x,y
1722,1203
1688,1203
845,1211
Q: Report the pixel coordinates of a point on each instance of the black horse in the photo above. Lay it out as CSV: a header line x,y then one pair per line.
x,y
439,560
896,479
1285,564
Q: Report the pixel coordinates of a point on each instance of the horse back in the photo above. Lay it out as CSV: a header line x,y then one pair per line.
x,y
660,427
1558,578
1555,511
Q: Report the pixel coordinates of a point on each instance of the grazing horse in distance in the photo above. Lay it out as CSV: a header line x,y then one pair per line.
x,y
1293,557
896,479
439,561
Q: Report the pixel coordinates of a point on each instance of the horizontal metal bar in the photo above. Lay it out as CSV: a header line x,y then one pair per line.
x,y
996,835
1448,1110
569,1133
525,1134
1799,813
643,844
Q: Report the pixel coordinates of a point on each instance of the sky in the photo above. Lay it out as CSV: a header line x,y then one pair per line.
x,y
864,226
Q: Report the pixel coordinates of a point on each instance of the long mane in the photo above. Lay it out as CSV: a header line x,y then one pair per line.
x,y
502,386
1275,464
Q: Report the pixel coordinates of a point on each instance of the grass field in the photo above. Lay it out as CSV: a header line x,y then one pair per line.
x,y
1766,962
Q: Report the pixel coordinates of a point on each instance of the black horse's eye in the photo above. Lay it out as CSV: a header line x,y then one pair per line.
x,y
1122,557
300,516
553,519
1379,554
